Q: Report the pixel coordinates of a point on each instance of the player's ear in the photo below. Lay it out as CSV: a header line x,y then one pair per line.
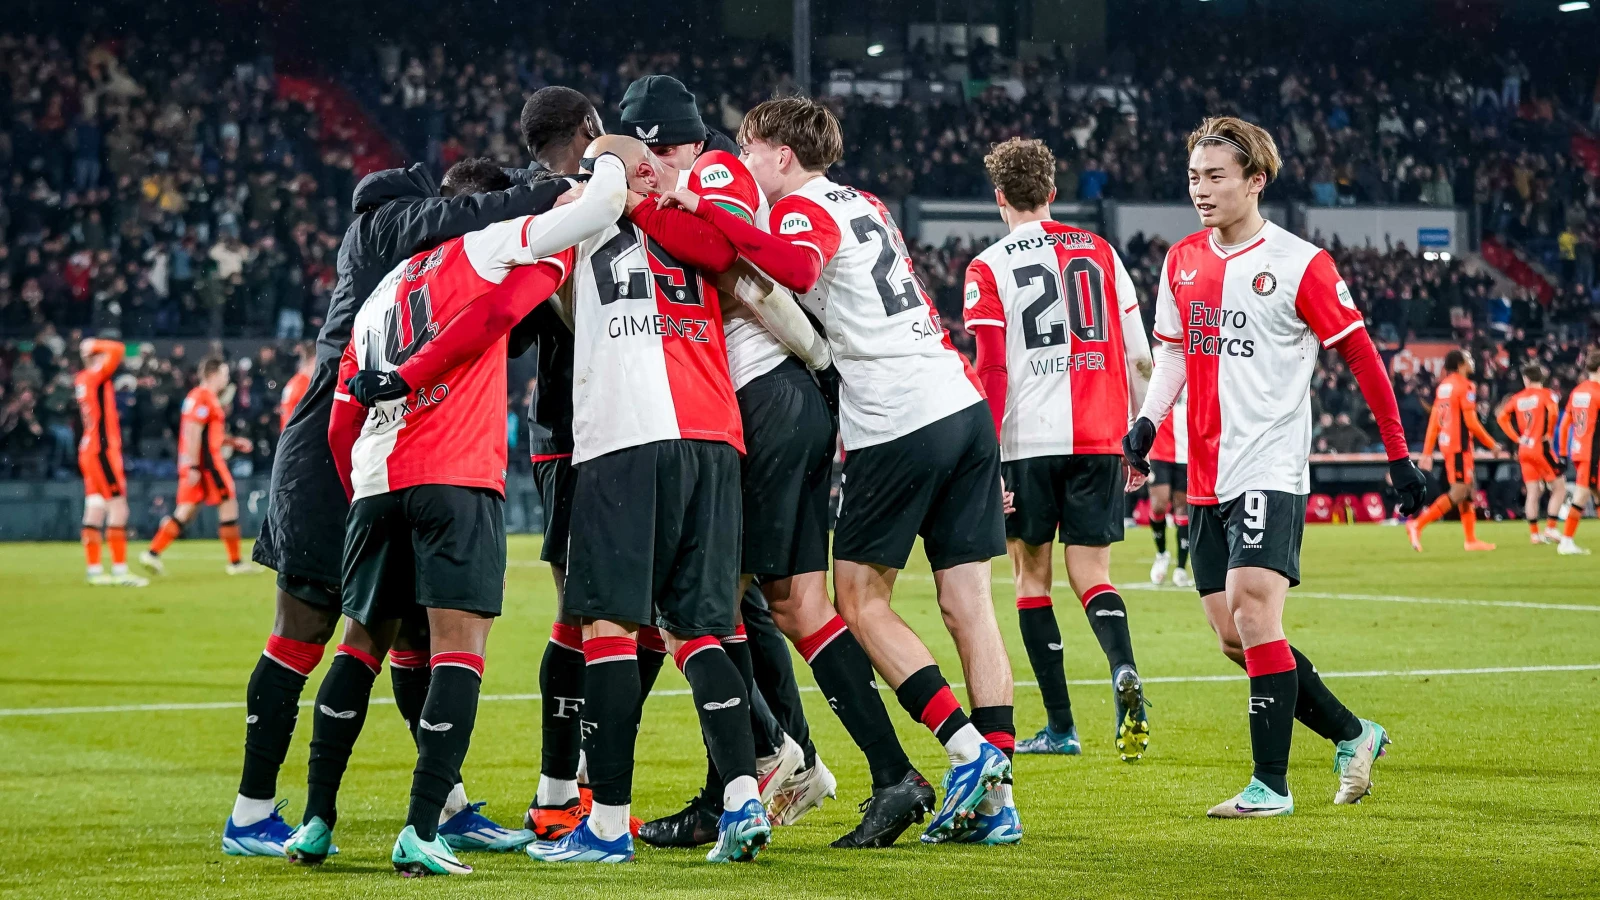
x,y
1050,199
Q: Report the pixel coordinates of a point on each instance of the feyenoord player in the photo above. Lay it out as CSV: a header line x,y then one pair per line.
x,y
1583,407
1243,308
203,475
655,505
425,469
1452,428
105,489
922,456
1064,361
1530,417
1169,492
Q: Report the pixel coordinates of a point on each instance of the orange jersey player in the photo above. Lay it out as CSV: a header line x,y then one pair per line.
x,y
1529,417
295,387
105,490
1583,405
1452,428
203,475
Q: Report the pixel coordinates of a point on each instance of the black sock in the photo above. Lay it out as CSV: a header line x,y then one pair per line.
x,y
1158,528
1182,526
444,731
998,726
272,702
410,685
844,674
1108,619
1042,638
929,700
561,675
1272,702
612,700
652,654
1318,708
340,712
722,700
737,649
774,668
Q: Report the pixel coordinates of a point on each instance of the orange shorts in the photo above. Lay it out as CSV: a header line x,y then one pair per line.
x,y
1459,468
1537,466
212,487
1586,473
102,474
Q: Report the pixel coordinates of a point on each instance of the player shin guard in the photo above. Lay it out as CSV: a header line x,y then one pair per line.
x,y
165,535
561,705
997,724
723,701
611,702
272,702
341,711
229,532
844,674
1181,525
1318,708
1158,529
737,646
117,541
444,730
929,700
1273,695
1041,635
409,676
91,548
1108,619
1469,519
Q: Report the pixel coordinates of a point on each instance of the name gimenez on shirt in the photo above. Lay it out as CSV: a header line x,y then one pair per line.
x,y
659,325
1202,316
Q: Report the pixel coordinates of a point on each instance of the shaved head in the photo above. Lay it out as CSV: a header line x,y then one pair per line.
x,y
646,173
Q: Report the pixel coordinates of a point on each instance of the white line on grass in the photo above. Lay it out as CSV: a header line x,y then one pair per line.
x,y
680,692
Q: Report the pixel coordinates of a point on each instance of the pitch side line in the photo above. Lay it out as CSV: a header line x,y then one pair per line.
x,y
809,689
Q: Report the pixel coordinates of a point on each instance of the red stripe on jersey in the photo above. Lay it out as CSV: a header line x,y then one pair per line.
x,y
1099,394
1204,370
696,356
1166,445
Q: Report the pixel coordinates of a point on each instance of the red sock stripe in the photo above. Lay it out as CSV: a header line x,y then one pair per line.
x,y
568,636
812,644
939,708
1268,659
609,649
456,658
1034,602
296,656
650,639
1181,521
738,636
1094,592
408,659
687,651
1001,740
367,659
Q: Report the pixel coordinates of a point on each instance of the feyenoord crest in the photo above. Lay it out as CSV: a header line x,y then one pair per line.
x,y
1264,284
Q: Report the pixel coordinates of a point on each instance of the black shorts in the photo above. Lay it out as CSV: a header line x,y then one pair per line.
x,y
312,591
655,537
1171,474
787,473
1260,529
433,545
553,479
1082,496
941,481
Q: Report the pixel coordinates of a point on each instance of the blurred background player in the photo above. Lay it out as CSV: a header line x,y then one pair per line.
x,y
295,387
1530,417
105,490
1583,405
203,475
1453,427
1064,360
1169,492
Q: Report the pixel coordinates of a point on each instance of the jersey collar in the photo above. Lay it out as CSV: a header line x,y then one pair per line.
x,y
1260,238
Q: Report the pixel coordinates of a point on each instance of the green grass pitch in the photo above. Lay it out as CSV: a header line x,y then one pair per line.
x,y
1492,788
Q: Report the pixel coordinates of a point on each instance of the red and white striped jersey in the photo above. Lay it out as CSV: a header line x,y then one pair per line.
x,y
650,362
452,431
1251,321
1172,437
1069,310
897,367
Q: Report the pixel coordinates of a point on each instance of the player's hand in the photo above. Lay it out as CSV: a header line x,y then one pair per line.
x,y
370,387
243,444
688,200
1136,446
1410,484
1425,464
1008,499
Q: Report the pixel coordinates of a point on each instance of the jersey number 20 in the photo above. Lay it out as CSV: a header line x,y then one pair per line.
x,y
1086,304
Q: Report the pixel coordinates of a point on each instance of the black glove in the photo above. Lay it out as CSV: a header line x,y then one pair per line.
x,y
1410,484
1137,443
371,387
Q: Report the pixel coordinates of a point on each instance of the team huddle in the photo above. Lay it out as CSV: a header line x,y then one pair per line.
x,y
710,323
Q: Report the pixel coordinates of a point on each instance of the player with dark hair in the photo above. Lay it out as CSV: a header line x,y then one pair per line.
x,y
1452,428
1243,309
1529,417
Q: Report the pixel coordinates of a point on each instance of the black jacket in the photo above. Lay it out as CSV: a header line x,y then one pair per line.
x,y
399,213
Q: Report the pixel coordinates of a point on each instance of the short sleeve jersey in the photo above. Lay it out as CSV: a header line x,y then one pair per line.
x,y
1251,321
1583,406
202,408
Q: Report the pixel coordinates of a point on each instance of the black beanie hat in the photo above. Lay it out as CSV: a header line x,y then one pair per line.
x,y
659,110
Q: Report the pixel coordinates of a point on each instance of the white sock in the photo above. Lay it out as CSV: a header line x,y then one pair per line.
x,y
456,802
119,568
555,791
248,812
96,569
609,822
738,792
995,800
963,745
